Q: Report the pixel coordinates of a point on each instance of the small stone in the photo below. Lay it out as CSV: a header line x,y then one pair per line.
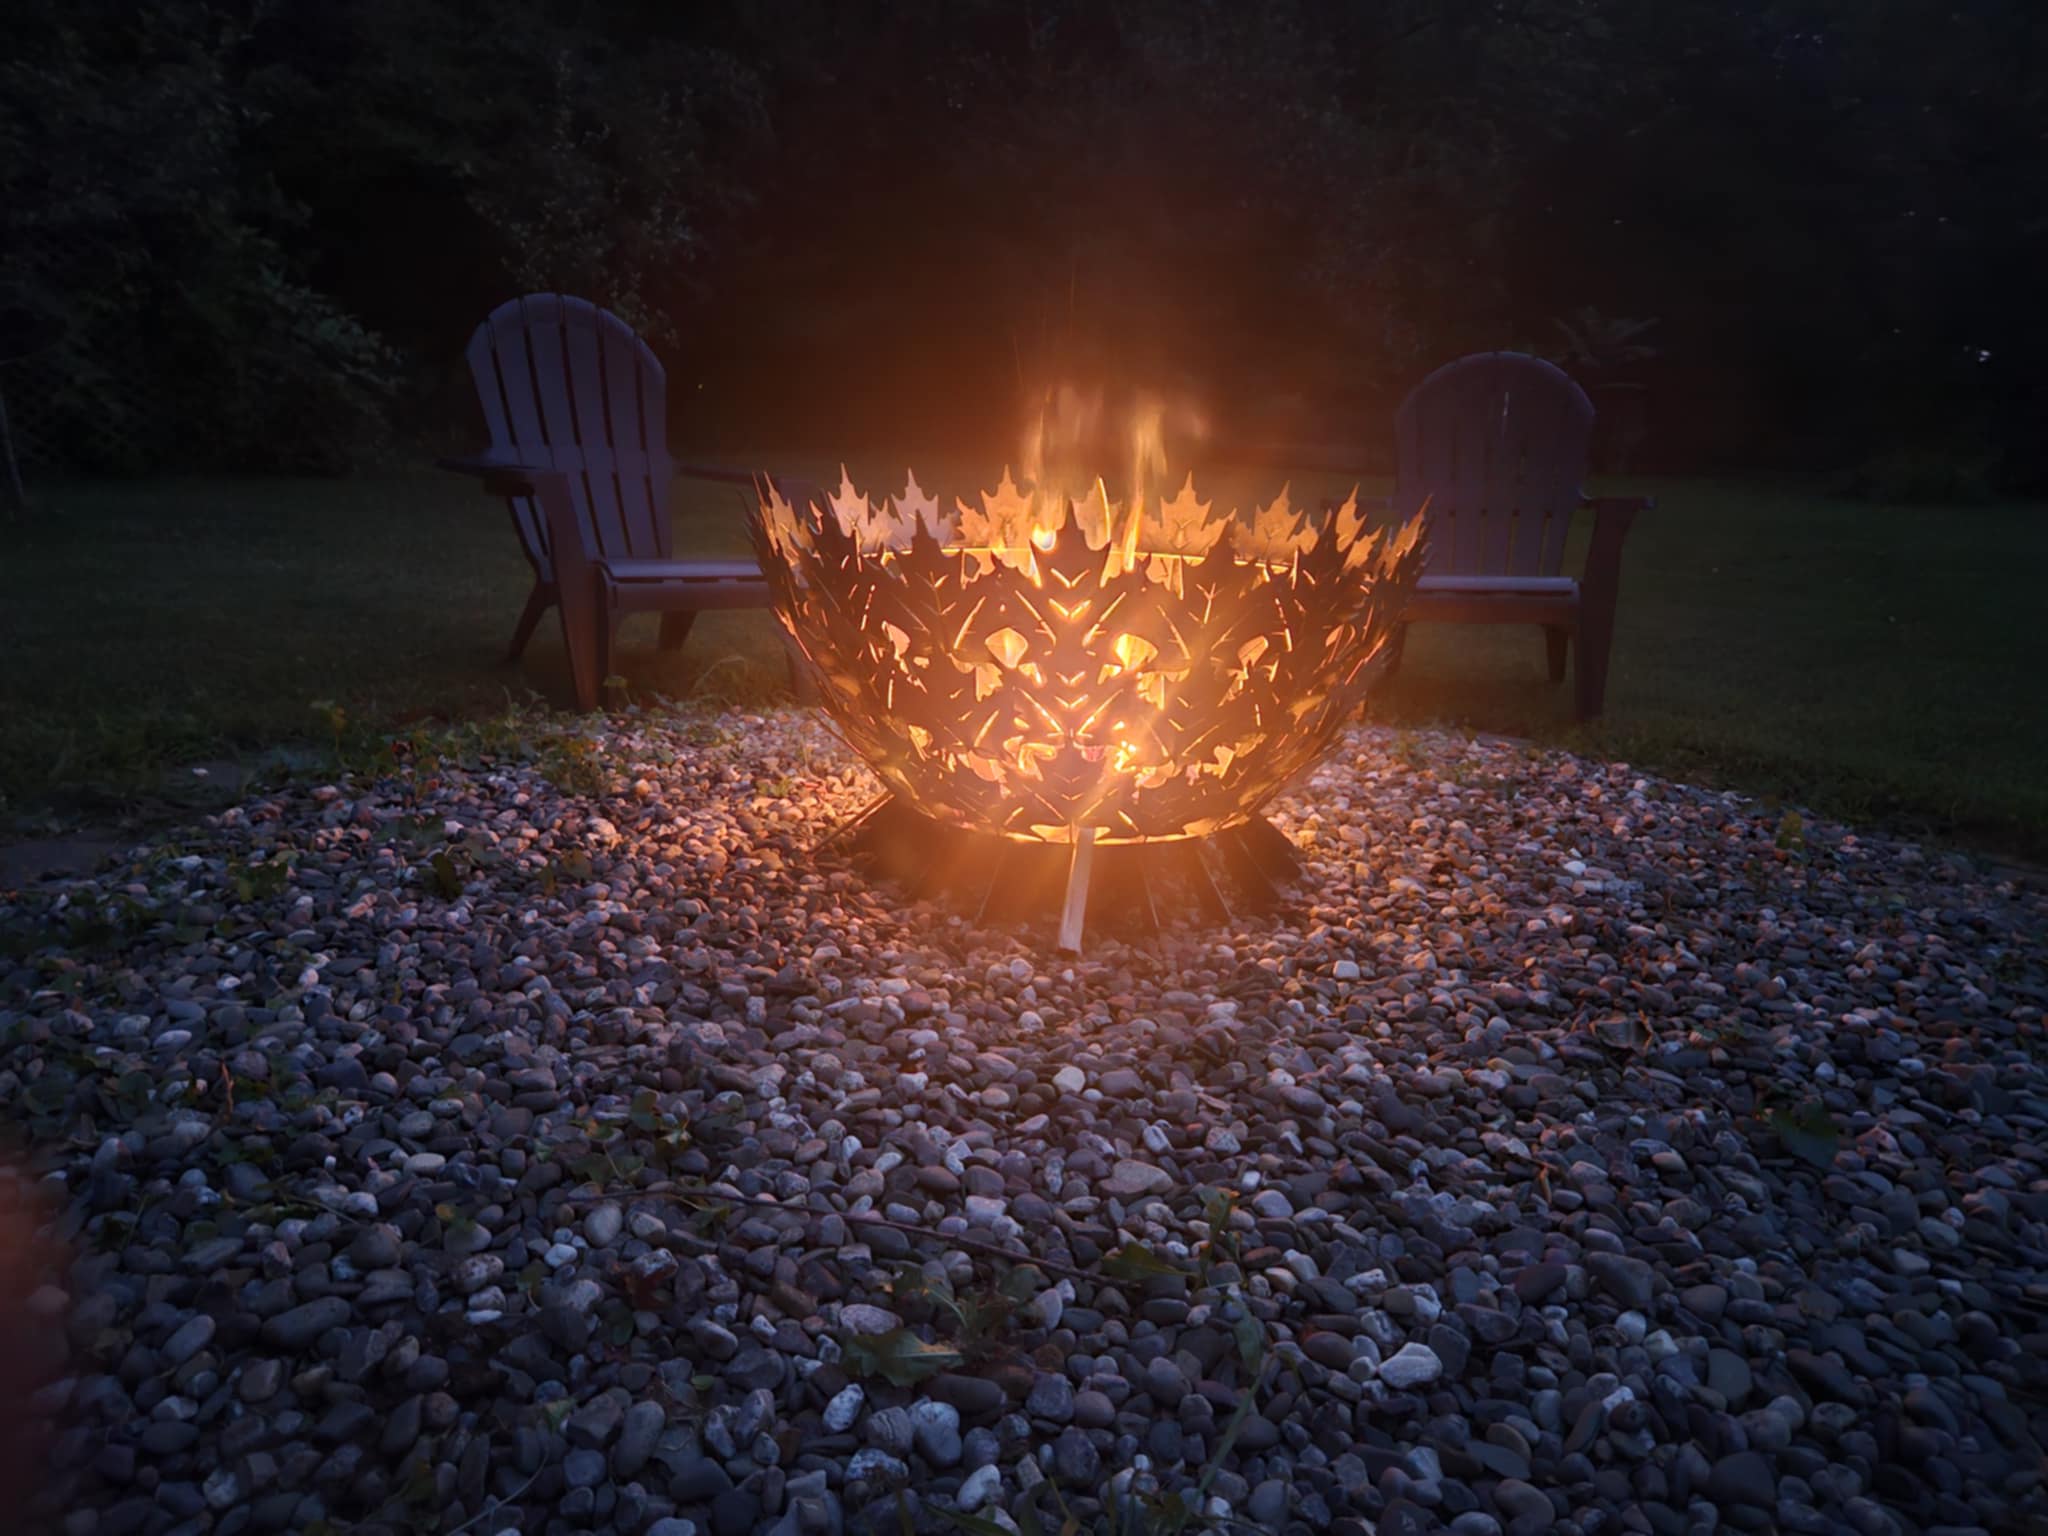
x,y
1132,1180
844,1408
1267,1506
1272,1205
713,1340
192,1335
1332,1351
874,1466
1070,1079
1629,1281
1052,1399
1412,1365
1728,1374
602,1225
860,1318
935,1431
261,1381
1075,1458
299,1327
1165,1380
977,1397
891,1430
638,1436
980,1487
1744,1477
1522,1501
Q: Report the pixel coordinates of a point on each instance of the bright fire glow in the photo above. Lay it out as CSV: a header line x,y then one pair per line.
x,y
1045,659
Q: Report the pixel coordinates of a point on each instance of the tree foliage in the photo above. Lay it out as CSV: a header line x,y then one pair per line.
x,y
1765,231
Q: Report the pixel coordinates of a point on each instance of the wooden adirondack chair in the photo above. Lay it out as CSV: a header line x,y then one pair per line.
x,y
1495,446
576,405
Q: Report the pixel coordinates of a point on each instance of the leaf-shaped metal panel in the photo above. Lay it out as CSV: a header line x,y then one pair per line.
x,y
1036,668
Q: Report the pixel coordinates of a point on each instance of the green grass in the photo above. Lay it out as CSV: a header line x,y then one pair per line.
x,y
1880,663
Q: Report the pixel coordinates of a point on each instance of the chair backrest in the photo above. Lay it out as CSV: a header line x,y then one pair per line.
x,y
568,385
1495,444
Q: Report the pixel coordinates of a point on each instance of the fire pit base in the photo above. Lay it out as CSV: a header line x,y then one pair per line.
x,y
1001,880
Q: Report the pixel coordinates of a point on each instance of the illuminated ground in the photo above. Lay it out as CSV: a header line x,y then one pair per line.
x,y
478,1149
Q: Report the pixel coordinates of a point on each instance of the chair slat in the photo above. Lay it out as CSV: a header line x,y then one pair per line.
x,y
525,436
1472,434
631,373
576,416
486,369
1495,444
568,385
1563,469
548,320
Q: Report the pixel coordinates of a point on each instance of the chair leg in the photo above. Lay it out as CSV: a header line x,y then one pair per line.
x,y
538,601
607,638
580,591
675,628
1589,677
1599,596
1557,638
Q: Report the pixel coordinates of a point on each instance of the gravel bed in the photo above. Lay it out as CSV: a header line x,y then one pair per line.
x,y
1581,1152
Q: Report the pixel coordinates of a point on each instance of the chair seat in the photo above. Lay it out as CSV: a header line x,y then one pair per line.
x,y
1501,586
628,572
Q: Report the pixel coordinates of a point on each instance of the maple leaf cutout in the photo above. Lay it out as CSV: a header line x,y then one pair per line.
x,y
999,529
1096,517
1184,529
1185,526
915,507
1350,521
852,509
1277,533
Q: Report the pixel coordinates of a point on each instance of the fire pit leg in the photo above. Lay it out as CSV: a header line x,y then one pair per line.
x,y
1245,870
1274,850
852,831
1075,911
1207,892
1147,908
1000,898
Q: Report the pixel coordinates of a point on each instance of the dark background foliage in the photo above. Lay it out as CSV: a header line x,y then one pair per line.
x,y
1766,233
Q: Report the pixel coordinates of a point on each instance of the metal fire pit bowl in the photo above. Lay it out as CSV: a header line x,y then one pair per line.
x,y
1042,678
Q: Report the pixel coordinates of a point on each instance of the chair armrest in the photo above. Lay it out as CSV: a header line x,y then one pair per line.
x,y
797,492
502,477
1628,504
720,472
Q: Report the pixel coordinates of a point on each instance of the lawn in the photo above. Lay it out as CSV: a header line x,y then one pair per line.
x,y
1881,663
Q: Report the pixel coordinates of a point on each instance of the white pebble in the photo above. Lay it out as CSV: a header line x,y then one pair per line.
x,y
844,1409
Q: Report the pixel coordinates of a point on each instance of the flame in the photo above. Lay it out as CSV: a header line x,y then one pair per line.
x,y
1158,676
1148,448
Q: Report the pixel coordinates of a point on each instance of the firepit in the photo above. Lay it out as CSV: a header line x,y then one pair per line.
x,y
1059,690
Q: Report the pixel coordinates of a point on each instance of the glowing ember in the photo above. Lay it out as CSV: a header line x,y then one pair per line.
x,y
1051,665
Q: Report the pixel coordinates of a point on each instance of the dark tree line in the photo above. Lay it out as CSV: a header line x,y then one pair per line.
x,y
1767,233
